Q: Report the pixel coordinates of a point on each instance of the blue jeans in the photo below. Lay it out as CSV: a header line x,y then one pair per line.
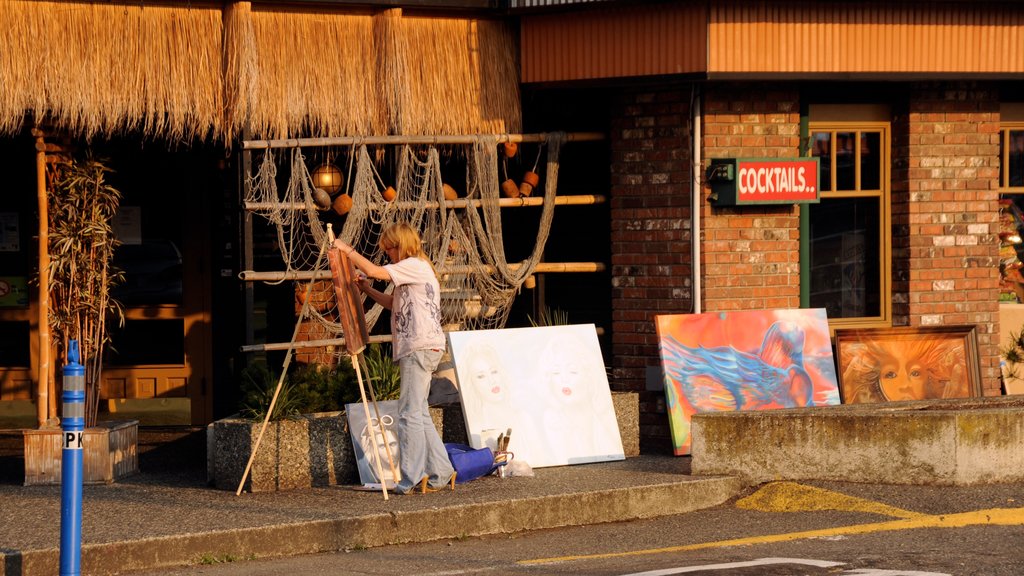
x,y
422,451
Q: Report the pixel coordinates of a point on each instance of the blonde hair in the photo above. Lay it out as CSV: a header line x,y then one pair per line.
x,y
407,240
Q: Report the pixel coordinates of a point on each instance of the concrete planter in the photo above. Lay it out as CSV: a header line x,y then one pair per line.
x,y
627,413
109,452
309,450
316,449
948,442
301,452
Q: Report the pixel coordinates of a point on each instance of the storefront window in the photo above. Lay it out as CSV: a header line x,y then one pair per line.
x,y
1011,212
848,229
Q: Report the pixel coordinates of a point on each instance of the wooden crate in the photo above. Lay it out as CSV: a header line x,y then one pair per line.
x,y
109,452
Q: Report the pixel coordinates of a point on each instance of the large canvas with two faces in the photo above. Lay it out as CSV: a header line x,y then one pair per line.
x,y
547,384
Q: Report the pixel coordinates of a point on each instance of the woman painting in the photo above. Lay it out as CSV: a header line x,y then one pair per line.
x,y
417,345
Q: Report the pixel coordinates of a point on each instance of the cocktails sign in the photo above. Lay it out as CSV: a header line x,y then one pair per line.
x,y
742,181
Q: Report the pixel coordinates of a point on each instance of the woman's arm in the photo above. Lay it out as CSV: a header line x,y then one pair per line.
x,y
363,263
379,297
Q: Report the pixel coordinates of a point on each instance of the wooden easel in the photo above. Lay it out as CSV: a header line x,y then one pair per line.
x,y
354,326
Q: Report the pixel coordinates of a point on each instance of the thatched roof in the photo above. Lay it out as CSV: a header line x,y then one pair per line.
x,y
212,70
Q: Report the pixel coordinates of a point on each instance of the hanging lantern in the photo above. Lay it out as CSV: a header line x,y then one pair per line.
x,y
328,177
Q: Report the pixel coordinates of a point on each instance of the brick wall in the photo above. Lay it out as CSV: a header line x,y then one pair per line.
x,y
944,207
651,241
751,255
946,164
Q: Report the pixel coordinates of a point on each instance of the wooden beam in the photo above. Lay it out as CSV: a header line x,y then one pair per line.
x,y
576,200
422,140
542,268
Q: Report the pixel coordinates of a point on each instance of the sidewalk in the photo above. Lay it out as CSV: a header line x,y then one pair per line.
x,y
167,515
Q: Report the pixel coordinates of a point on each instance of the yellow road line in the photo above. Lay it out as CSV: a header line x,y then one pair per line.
x,y
993,516
793,497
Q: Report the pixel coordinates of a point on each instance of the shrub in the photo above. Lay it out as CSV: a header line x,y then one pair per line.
x,y
307,389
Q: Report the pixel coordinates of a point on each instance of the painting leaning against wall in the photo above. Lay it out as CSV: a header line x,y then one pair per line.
x,y
908,363
743,360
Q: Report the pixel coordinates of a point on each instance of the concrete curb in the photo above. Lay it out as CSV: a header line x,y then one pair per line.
x,y
496,516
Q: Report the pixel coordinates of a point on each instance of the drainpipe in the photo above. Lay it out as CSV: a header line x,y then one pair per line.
x,y
695,199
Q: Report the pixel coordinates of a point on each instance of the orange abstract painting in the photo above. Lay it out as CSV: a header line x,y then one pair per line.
x,y
744,360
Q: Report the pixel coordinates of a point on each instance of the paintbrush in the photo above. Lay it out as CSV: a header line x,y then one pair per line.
x,y
508,437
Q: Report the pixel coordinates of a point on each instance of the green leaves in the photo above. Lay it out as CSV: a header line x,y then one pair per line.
x,y
381,372
305,390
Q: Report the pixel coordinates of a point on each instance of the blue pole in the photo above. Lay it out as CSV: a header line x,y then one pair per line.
x,y
73,425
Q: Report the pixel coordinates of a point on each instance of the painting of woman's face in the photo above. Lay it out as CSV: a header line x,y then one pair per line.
x,y
902,379
891,365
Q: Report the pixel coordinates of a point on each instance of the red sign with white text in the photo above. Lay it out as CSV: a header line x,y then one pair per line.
x,y
770,181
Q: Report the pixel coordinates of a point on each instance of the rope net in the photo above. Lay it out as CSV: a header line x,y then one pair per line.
x,y
463,237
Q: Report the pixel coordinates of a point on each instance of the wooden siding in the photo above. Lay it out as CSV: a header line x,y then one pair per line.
x,y
749,38
610,43
109,452
871,37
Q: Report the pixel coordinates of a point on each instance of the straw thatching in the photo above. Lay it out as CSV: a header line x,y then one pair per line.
x,y
479,87
197,71
316,74
106,68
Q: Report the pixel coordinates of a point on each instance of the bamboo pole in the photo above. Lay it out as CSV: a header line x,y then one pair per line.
x,y
522,201
421,140
43,387
310,344
542,268
329,342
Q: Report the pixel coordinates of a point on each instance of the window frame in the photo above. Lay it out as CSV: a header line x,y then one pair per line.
x,y
1005,128
884,196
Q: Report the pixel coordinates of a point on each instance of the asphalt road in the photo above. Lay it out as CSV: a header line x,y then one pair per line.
x,y
782,529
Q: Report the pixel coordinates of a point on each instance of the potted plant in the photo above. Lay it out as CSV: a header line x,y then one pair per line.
x,y
81,243
1010,363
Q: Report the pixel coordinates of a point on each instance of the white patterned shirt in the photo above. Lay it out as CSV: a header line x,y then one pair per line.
x,y
415,308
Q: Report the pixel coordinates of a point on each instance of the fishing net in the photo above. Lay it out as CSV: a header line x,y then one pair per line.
x,y
463,237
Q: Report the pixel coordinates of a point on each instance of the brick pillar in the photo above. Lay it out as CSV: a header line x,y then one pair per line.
x,y
751,255
650,235
952,251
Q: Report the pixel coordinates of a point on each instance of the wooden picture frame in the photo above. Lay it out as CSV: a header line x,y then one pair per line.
x,y
907,363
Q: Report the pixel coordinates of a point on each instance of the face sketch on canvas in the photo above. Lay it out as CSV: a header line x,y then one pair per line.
x,y
570,418
379,452
486,375
564,371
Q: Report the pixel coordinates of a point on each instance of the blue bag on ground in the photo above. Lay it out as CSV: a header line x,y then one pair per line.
x,y
470,463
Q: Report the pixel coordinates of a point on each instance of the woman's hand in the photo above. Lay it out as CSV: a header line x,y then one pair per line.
x,y
362,282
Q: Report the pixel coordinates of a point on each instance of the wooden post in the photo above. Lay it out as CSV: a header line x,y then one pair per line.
x,y
43,412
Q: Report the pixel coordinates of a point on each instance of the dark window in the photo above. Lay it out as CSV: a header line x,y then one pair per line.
x,y
147,342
